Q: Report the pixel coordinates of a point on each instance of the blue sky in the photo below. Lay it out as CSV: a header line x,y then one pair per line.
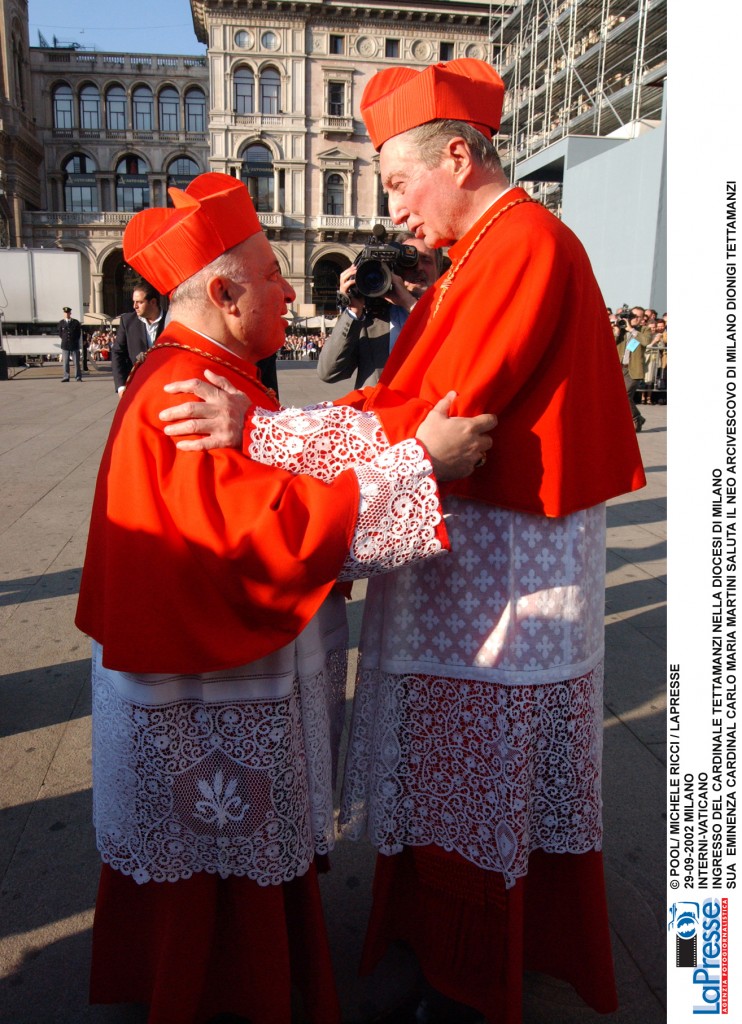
x,y
137,26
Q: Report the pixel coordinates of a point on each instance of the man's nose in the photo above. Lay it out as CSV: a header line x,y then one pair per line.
x,y
397,210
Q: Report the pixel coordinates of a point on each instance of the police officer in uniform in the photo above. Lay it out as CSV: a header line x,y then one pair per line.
x,y
70,332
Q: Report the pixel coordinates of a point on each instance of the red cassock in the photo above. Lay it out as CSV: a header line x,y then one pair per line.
x,y
521,332
218,691
258,549
195,564
517,328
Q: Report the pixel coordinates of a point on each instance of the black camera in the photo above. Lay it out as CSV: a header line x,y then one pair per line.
x,y
376,263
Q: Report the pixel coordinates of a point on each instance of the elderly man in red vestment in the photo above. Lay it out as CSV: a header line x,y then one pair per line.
x,y
219,636
474,762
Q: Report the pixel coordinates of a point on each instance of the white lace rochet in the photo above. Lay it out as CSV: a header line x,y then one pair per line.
x,y
232,772
477,716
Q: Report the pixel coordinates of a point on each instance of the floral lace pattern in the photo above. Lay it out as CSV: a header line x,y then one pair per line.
x,y
399,515
518,599
227,783
477,720
232,773
321,440
490,771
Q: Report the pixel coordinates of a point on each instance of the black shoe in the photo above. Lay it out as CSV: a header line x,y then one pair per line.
x,y
78,378
65,380
638,424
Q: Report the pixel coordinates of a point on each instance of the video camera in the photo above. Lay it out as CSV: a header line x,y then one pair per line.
x,y
376,263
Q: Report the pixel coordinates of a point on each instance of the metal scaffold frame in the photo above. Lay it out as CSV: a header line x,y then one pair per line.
x,y
576,67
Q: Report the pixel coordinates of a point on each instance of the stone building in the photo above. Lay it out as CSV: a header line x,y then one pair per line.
x,y
274,102
116,130
88,138
285,83
21,152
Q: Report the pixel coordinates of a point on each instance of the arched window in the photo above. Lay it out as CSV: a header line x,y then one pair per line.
x,y
180,174
270,91
169,104
132,184
334,195
325,280
144,109
116,109
90,108
195,111
80,185
63,107
257,174
244,91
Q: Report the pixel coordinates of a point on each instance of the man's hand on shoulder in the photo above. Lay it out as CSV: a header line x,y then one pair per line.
x,y
219,414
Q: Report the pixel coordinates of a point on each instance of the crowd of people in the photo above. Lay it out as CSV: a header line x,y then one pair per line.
x,y
100,345
641,343
461,481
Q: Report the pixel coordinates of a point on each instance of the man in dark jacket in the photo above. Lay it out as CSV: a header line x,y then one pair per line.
x,y
136,333
361,340
70,332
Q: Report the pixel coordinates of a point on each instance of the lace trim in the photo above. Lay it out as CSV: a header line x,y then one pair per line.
x,y
230,787
321,440
399,514
519,598
490,771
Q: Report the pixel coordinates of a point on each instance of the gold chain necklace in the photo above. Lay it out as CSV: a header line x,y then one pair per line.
x,y
457,266
206,355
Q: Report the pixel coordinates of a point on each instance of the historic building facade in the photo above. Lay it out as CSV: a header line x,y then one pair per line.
x,y
116,129
89,138
21,152
284,114
274,102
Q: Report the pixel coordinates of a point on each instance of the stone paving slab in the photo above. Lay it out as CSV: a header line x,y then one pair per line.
x,y
51,439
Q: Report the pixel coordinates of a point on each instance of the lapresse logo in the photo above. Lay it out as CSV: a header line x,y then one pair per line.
x,y
700,931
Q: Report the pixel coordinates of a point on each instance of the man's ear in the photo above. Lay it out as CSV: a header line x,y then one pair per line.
x,y
459,155
217,289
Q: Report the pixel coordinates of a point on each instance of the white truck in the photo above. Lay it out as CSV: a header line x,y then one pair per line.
x,y
34,286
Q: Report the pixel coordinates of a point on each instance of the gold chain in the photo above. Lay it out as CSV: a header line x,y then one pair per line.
x,y
457,266
206,355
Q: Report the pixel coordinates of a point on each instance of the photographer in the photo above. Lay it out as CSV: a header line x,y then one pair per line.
x,y
365,331
631,341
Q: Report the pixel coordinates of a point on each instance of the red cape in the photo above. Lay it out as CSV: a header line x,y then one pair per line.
x,y
199,561
522,332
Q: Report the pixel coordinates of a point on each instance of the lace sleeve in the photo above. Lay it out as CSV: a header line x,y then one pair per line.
x,y
399,518
321,440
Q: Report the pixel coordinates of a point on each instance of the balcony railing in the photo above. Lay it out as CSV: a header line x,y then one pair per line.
x,y
60,218
341,125
327,222
121,134
262,120
132,62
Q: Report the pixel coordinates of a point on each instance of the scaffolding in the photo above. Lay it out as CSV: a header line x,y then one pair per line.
x,y
576,67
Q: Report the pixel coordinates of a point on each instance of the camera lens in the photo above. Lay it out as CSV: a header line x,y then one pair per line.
x,y
373,279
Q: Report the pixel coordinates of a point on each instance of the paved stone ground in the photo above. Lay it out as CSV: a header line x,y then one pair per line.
x,y
50,444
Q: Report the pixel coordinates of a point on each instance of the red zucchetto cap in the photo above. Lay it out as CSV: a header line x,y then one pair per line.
x,y
168,245
398,99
